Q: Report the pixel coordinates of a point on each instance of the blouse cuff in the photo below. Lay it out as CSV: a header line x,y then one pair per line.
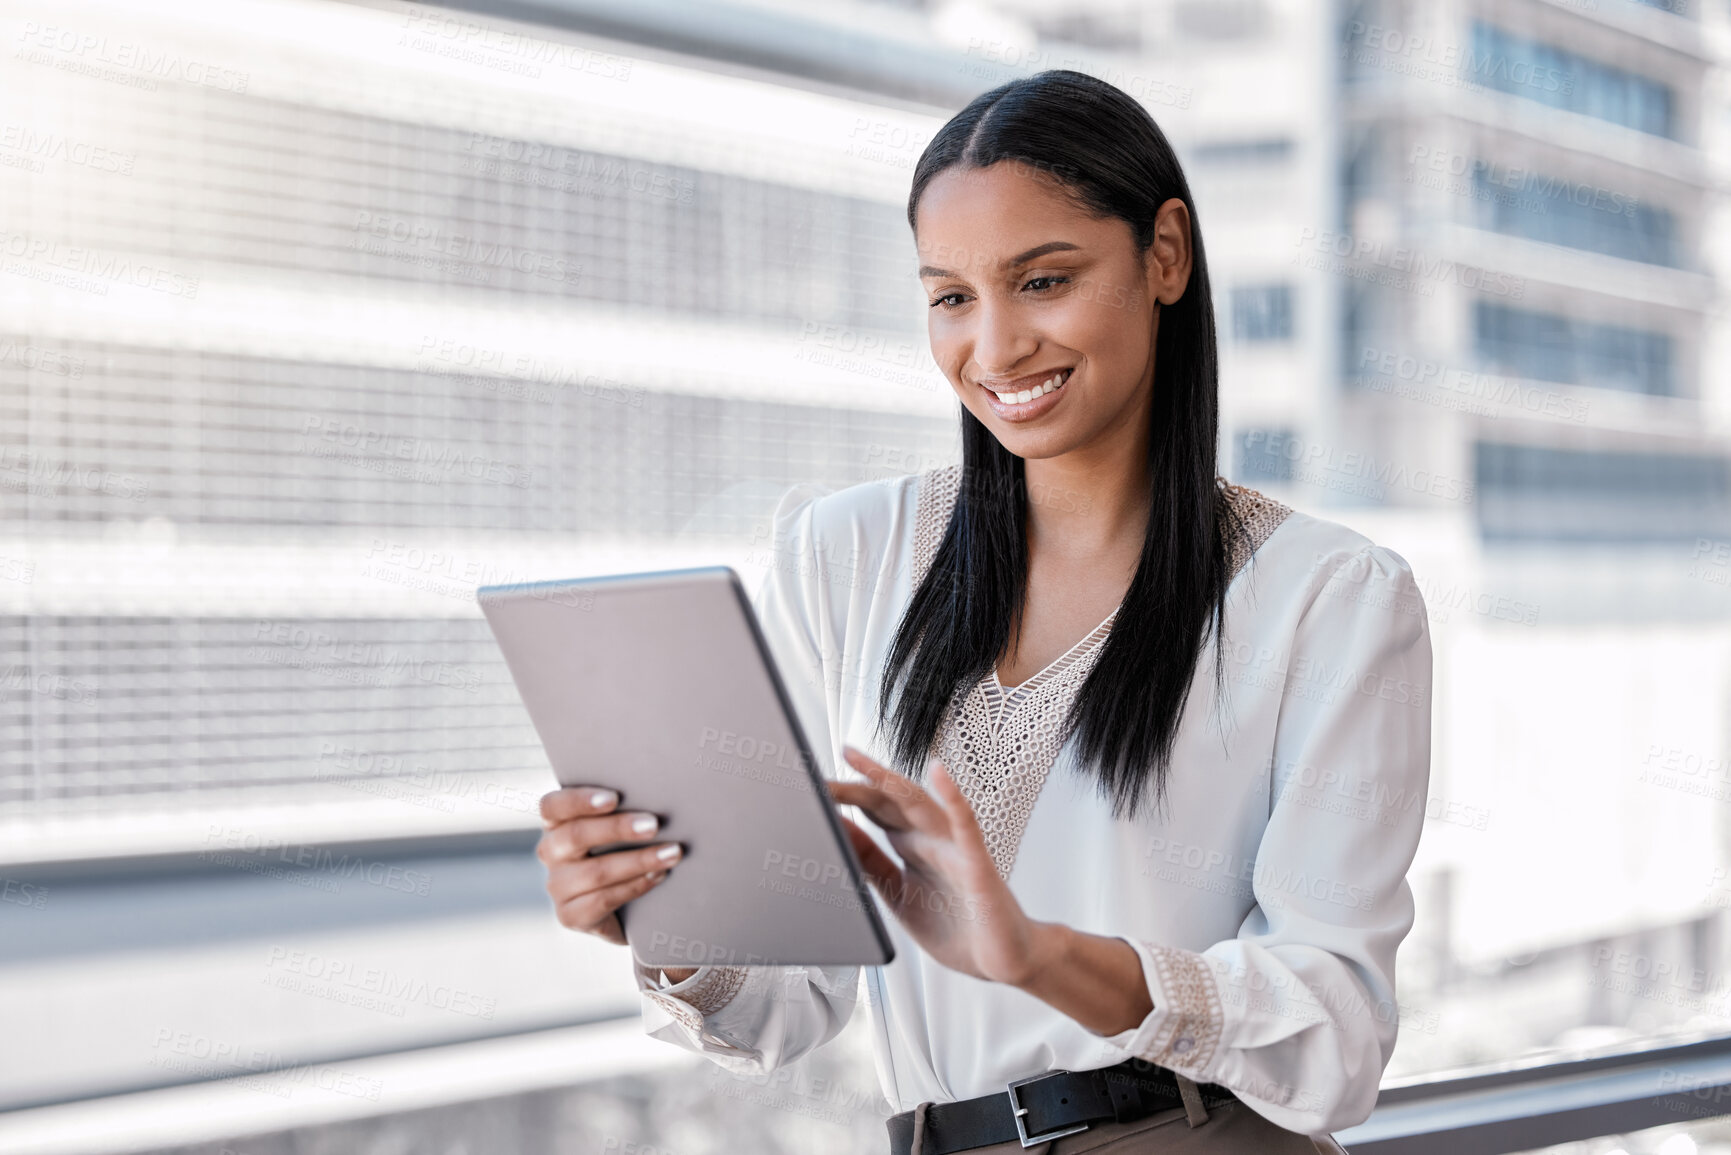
x,y
703,994
1183,1030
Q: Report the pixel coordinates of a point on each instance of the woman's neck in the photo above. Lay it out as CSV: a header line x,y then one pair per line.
x,y
1092,500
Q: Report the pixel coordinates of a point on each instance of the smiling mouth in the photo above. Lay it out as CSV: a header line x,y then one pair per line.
x,y
1021,397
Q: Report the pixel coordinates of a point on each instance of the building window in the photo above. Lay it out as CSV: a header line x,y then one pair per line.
x,y
1550,347
1563,79
1260,455
1577,214
1262,313
1539,493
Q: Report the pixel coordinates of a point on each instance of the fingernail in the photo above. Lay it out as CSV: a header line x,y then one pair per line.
x,y
656,875
669,852
602,799
644,824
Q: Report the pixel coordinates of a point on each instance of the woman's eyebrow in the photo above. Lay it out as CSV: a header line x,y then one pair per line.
x,y
1014,262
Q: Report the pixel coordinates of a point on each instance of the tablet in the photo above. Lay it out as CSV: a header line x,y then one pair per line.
x,y
662,687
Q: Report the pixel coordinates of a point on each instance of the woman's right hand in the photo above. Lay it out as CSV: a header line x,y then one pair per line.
x,y
587,890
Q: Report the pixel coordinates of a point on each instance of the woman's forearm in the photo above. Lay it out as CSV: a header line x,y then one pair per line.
x,y
1095,979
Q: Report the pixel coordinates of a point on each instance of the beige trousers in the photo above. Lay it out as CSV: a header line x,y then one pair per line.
x,y
1194,1129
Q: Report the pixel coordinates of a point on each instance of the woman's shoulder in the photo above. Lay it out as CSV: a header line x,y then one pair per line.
x,y
872,511
1301,552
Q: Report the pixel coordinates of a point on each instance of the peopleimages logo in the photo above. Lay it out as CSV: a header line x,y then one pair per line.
x,y
1398,267
29,471
1424,57
27,252
103,58
1519,179
400,455
464,250
1401,374
43,146
256,851
1351,471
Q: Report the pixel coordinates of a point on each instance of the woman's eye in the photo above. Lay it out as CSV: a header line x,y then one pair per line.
x,y
1038,284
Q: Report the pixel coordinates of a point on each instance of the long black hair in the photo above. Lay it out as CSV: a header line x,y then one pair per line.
x,y
1106,152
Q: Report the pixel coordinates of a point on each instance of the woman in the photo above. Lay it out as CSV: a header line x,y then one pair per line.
x,y
1181,731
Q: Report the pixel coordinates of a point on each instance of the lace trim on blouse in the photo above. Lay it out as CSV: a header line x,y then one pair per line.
x,y
1188,1037
999,743
709,995
1260,516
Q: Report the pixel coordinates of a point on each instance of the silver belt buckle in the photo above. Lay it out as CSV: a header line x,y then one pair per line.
x,y
1018,1111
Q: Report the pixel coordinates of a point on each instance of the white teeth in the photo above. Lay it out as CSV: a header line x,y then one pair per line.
x,y
1027,395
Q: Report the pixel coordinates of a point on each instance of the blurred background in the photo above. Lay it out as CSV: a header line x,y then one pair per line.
x,y
316,315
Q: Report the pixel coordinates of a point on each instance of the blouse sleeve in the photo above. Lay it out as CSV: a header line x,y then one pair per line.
x,y
751,1020
1297,1014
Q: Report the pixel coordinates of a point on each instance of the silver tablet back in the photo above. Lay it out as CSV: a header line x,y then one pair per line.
x,y
660,686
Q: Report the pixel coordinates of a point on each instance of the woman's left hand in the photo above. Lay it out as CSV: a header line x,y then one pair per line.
x,y
948,893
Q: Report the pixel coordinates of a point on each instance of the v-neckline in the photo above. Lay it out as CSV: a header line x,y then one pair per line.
x,y
1033,680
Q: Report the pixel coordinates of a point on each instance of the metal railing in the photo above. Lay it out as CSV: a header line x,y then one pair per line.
x,y
1518,1109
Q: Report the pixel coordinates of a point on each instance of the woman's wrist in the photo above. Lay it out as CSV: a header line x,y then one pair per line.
x,y
673,975
1095,979
1049,947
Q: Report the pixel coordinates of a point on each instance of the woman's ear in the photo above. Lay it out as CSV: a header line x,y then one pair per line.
x,y
1169,257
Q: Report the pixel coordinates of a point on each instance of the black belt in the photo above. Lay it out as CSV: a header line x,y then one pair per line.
x,y
1048,1106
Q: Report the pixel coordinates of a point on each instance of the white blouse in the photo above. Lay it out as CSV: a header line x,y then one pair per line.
x,y
1265,900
